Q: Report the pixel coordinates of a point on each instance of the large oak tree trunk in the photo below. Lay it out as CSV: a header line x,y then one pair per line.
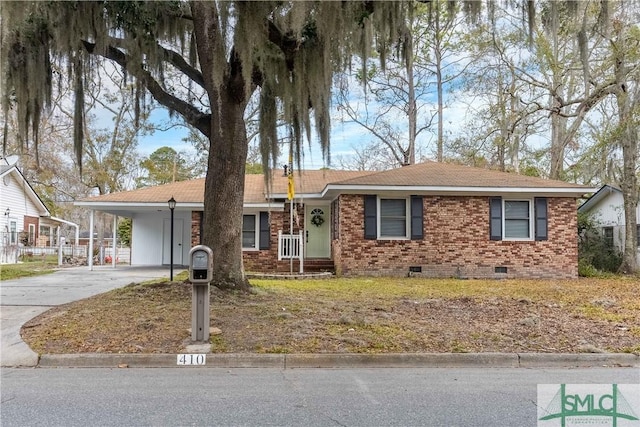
x,y
224,185
223,198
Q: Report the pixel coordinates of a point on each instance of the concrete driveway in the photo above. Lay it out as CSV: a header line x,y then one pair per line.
x,y
23,299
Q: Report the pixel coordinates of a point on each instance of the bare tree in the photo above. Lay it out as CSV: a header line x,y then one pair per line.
x,y
391,101
444,55
625,48
373,156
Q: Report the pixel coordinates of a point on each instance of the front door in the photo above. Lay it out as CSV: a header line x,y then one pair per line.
x,y
317,231
177,242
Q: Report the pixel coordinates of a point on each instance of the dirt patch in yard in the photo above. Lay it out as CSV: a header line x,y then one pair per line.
x,y
362,315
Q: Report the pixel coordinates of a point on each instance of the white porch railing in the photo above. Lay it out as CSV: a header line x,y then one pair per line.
x,y
291,246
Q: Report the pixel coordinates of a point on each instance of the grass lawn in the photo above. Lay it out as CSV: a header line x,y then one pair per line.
x,y
34,266
359,315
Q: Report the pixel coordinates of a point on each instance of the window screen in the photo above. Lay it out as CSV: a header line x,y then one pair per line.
x,y
248,231
517,219
393,218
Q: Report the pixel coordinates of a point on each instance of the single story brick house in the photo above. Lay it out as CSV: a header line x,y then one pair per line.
x,y
431,219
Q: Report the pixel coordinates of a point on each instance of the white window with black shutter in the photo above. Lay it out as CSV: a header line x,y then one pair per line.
x,y
518,219
255,231
393,218
249,232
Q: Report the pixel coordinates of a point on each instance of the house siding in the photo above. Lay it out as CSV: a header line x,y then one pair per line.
x,y
150,238
16,198
456,243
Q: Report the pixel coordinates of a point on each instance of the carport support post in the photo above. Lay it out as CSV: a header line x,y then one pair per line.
x,y
59,246
200,312
90,254
114,241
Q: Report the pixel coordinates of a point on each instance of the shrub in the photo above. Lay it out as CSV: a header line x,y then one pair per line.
x,y
595,255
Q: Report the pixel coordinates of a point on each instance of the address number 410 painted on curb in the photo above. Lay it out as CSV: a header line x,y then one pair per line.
x,y
192,359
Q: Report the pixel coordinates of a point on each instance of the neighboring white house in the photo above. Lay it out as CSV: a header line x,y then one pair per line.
x,y
606,207
26,221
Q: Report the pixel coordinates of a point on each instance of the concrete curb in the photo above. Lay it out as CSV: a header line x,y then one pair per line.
x,y
553,360
297,361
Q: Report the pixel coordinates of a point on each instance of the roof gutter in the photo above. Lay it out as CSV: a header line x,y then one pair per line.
x,y
417,189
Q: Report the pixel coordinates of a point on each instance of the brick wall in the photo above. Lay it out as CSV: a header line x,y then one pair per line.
x,y
35,221
196,219
264,260
456,243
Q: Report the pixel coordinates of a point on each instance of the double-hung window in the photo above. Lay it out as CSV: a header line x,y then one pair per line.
x,y
607,233
256,232
393,222
388,219
249,235
13,230
517,219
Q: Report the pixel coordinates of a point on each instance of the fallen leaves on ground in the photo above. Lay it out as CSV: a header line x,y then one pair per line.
x,y
361,315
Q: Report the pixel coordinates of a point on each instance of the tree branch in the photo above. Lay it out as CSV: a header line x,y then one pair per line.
x,y
178,61
288,45
192,115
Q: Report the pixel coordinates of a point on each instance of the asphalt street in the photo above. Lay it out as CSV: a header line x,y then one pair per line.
x,y
291,397
25,298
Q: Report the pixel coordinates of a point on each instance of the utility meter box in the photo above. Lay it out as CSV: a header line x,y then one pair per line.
x,y
200,264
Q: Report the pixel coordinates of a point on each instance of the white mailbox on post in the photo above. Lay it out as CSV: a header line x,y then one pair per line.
x,y
200,264
200,275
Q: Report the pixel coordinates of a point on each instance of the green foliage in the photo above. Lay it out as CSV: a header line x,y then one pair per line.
x,y
253,168
595,255
163,166
124,231
530,171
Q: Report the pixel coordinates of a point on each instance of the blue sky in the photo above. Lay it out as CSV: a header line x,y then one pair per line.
x,y
343,137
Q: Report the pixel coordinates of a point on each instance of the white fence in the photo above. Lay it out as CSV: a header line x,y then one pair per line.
x,y
67,250
11,254
291,246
